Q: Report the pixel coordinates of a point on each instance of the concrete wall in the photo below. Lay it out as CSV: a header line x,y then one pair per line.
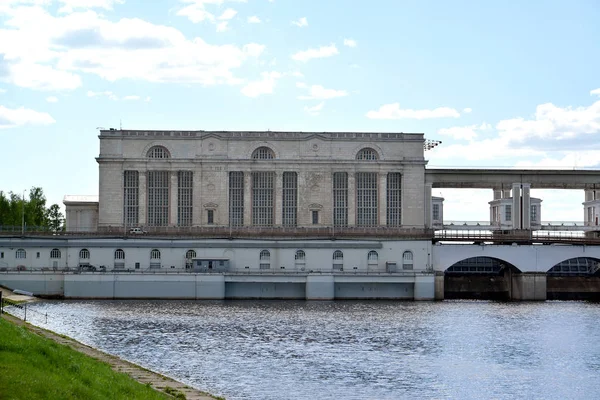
x,y
573,288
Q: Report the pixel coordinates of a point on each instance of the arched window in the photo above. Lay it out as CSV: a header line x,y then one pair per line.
x,y
84,254
155,254
372,257
190,254
265,259
407,260
367,154
338,260
300,255
263,153
158,152
119,254
55,253
21,253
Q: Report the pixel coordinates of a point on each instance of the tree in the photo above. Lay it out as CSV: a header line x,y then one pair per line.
x,y
55,218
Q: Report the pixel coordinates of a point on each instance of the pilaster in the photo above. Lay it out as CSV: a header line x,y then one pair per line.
x,y
173,199
142,196
278,197
516,206
247,198
351,199
382,194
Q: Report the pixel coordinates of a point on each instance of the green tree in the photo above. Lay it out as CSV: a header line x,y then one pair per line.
x,y
55,218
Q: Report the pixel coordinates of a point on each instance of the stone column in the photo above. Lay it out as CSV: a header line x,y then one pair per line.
x,y
173,199
247,198
197,208
497,193
505,193
516,206
382,203
351,199
526,203
427,208
278,198
142,196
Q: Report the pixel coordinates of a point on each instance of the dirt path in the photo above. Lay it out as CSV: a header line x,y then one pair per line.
x,y
157,381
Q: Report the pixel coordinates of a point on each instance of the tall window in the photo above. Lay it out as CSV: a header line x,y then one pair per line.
x,y
131,198
158,198
533,213
508,212
265,259
210,217
289,199
55,253
300,255
158,152
119,254
366,199
367,154
262,198
372,257
190,254
84,254
263,153
338,260
340,199
236,198
407,260
185,180
21,253
155,254
436,212
394,199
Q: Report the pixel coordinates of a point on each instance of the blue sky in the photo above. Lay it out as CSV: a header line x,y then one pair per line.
x,y
511,84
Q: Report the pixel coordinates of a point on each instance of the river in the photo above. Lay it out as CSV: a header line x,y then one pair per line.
x,y
349,350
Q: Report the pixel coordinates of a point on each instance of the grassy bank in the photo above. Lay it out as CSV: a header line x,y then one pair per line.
x,y
32,367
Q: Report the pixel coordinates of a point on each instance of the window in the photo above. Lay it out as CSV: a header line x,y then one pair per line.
x,y
265,259
340,199
289,200
119,254
366,199
131,203
158,198
338,260
190,254
37,255
210,217
315,217
534,213
300,255
436,212
84,254
158,152
367,154
155,254
185,180
236,198
262,198
407,260
55,253
1,254
137,265
394,199
372,257
508,213
263,153
21,253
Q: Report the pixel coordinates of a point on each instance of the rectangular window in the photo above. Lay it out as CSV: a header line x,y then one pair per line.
x,y
158,198
137,265
37,255
394,201
533,213
508,213
436,212
340,199
262,198
185,182
366,199
289,200
2,255
315,217
131,198
236,198
210,217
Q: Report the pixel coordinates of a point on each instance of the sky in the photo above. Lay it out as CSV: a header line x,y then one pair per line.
x,y
501,84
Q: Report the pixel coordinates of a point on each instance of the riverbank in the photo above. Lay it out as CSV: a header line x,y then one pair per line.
x,y
37,363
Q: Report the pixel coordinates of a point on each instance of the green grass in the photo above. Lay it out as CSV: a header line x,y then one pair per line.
x,y
33,367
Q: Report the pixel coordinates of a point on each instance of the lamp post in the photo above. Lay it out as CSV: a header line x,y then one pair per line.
x,y
23,213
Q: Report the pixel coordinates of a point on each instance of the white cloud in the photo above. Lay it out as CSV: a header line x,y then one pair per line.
x,y
467,110
106,93
315,110
393,111
10,118
70,5
297,74
228,14
300,22
52,99
321,52
301,85
595,91
254,20
131,98
2,90
222,26
196,12
263,86
44,52
318,92
463,132
350,42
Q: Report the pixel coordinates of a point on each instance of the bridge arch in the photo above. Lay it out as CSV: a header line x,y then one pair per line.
x,y
576,266
481,265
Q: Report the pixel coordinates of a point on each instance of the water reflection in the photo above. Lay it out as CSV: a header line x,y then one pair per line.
x,y
350,350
